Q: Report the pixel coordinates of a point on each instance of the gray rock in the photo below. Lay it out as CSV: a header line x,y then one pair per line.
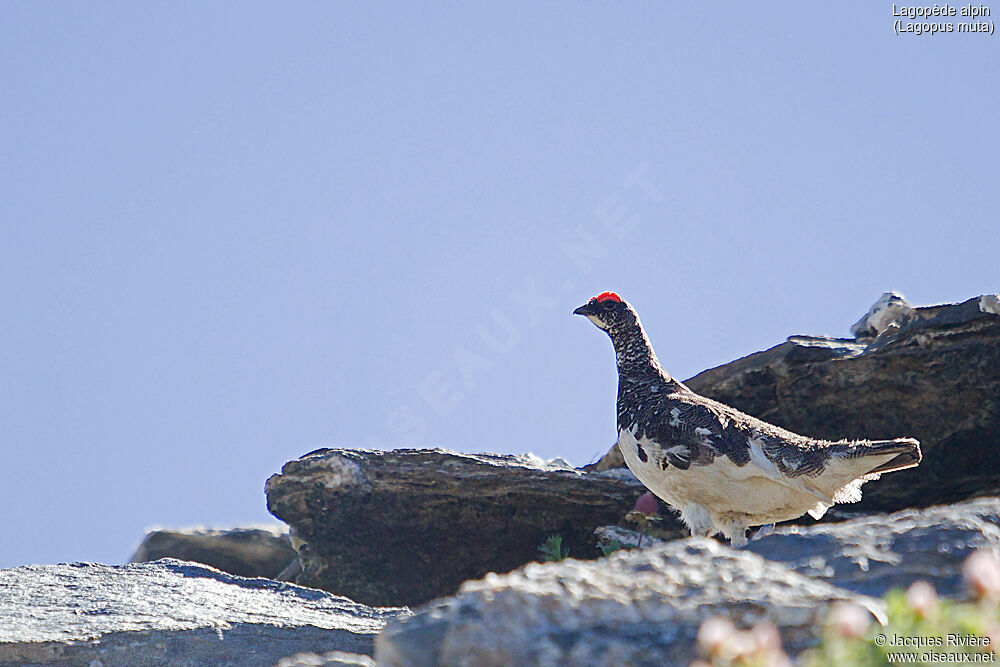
x,y
874,554
934,376
330,659
626,537
247,552
171,612
884,313
892,313
406,526
990,303
636,607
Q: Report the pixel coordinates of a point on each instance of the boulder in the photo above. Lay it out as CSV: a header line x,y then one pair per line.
x,y
406,526
932,373
246,552
171,612
635,607
884,313
874,554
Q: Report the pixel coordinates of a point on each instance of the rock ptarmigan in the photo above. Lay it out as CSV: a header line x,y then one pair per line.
x,y
724,470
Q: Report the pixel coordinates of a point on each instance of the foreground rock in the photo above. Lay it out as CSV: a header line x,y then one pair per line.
x,y
931,373
246,552
331,659
407,526
171,612
874,554
637,607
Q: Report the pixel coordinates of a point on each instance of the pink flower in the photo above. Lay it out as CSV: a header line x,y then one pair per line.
x,y
646,504
720,641
982,574
715,634
922,599
849,620
766,638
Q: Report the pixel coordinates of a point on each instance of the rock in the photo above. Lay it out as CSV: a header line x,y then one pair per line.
x,y
406,526
893,313
636,607
990,303
626,537
247,552
884,313
874,554
171,612
934,375
331,659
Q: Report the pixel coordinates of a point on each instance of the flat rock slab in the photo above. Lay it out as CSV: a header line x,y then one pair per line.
x,y
171,612
406,526
247,552
636,608
874,554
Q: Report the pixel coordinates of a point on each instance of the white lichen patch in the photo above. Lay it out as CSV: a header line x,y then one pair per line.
x,y
340,472
888,310
557,463
990,303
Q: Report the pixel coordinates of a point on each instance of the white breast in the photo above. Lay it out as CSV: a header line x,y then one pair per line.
x,y
725,490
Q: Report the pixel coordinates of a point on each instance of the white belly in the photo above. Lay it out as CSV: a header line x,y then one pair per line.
x,y
728,493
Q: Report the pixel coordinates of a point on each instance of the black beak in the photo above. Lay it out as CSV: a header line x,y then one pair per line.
x,y
585,309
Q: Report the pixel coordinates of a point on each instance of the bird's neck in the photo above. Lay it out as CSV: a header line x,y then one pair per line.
x,y
637,362
639,374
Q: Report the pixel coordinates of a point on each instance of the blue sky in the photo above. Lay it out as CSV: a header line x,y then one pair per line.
x,y
233,233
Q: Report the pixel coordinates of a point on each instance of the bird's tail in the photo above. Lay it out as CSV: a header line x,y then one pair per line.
x,y
907,452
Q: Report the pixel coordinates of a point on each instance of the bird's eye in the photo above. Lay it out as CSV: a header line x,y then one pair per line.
x,y
608,305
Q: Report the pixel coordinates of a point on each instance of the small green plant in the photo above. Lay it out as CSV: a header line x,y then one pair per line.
x,y
608,548
552,549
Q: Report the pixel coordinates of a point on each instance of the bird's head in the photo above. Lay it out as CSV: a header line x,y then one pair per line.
x,y
608,312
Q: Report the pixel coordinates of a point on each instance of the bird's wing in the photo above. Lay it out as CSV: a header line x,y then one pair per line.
x,y
692,431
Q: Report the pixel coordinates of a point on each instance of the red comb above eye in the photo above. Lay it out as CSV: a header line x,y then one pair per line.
x,y
608,296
